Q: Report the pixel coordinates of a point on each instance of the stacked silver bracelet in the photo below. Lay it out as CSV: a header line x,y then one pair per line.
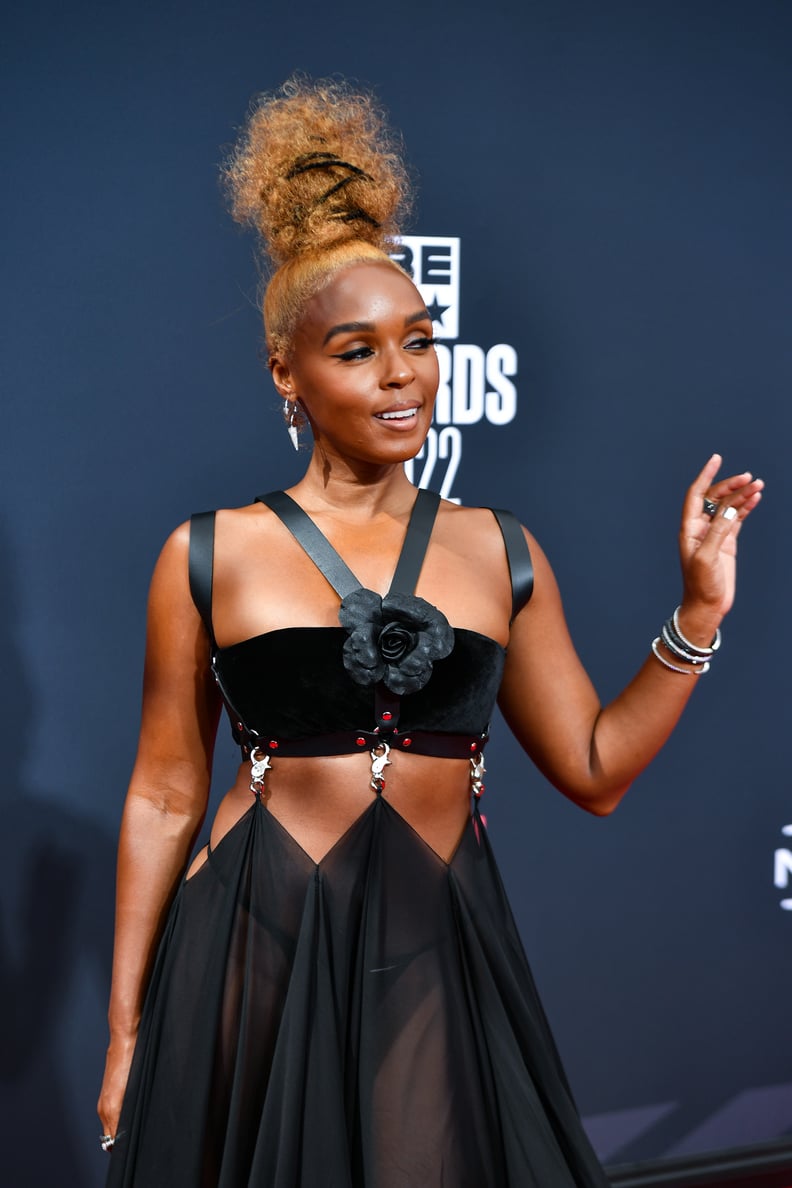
x,y
696,658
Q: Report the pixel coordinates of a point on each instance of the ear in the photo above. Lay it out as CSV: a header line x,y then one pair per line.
x,y
282,376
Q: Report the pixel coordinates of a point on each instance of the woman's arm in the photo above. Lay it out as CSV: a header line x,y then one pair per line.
x,y
166,801
593,754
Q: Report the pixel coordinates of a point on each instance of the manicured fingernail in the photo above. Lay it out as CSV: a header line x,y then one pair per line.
x,y
730,513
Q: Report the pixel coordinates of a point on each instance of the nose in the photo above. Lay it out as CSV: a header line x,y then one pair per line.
x,y
397,371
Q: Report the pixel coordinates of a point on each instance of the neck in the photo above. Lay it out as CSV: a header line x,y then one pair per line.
x,y
359,491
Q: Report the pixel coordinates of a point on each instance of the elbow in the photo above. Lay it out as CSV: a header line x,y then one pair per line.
x,y
167,811
604,806
589,787
604,784
599,802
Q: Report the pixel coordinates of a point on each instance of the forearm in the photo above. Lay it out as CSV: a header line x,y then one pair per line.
x,y
632,729
154,846
628,733
590,753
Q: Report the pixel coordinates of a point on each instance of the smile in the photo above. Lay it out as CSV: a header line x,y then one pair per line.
x,y
402,414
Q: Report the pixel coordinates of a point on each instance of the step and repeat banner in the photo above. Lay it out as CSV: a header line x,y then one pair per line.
x,y
602,235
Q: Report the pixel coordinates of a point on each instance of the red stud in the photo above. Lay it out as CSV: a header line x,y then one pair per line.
x,y
273,744
361,742
406,742
474,746
239,726
386,717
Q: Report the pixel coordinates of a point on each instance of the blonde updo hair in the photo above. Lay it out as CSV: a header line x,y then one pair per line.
x,y
319,175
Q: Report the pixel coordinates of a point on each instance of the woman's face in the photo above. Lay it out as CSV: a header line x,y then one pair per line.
x,y
364,366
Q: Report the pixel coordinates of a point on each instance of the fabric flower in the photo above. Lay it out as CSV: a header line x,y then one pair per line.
x,y
395,639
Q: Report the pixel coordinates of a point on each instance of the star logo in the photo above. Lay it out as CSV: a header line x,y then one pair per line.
x,y
436,311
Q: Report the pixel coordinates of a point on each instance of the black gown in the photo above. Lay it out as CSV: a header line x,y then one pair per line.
x,y
370,1020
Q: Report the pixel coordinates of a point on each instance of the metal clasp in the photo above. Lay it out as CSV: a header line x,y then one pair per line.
x,y
477,770
259,766
379,761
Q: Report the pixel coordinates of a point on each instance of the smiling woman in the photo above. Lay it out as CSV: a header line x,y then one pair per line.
x,y
369,380
333,992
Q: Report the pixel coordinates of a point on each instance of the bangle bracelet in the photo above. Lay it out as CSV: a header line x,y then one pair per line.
x,y
716,643
674,647
698,670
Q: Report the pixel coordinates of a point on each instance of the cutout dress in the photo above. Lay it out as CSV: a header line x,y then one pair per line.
x,y
368,1020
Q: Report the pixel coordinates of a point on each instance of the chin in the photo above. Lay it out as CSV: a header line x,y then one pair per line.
x,y
404,451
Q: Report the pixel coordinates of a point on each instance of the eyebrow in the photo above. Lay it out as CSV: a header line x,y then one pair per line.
x,y
369,327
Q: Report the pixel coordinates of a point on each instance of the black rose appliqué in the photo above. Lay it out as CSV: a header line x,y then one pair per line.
x,y
395,639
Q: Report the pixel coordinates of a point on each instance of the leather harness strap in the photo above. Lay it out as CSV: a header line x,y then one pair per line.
x,y
332,566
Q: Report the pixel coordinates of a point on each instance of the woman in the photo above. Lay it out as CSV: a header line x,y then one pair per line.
x,y
339,995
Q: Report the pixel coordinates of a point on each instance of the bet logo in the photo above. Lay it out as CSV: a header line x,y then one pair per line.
x,y
477,384
432,263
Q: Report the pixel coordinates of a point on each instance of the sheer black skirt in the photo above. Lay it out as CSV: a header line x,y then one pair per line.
x,y
367,1022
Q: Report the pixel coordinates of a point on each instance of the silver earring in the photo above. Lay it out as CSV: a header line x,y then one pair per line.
x,y
290,413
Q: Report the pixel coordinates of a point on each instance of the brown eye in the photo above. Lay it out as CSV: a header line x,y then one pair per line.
x,y
362,352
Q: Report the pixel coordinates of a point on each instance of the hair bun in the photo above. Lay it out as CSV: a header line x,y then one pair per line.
x,y
316,165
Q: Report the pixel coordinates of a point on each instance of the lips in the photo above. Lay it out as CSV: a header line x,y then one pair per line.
x,y
399,416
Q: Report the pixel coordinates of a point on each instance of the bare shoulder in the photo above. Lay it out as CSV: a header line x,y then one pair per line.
x,y
174,553
475,529
231,523
474,535
169,593
237,526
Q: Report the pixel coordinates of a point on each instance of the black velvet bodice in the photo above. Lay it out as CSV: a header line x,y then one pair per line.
x,y
292,684
394,671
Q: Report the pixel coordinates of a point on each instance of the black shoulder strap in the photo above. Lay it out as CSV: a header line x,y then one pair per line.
x,y
334,568
416,542
314,542
201,565
519,557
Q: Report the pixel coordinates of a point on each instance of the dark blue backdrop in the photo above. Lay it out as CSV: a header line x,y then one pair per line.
x,y
619,177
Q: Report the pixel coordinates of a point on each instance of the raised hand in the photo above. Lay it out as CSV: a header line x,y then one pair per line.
x,y
708,543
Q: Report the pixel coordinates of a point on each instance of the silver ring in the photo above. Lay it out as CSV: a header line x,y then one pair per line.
x,y
107,1141
710,507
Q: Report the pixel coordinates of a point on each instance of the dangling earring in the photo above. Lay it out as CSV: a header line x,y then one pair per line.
x,y
290,413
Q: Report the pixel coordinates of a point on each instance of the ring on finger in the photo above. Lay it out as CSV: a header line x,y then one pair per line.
x,y
710,507
106,1142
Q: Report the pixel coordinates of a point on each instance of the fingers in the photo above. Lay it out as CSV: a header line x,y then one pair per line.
x,y
741,486
724,527
701,483
724,487
741,491
109,1110
743,496
723,524
708,544
693,509
753,499
111,1095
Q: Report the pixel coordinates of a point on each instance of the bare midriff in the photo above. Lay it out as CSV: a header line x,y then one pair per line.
x,y
317,799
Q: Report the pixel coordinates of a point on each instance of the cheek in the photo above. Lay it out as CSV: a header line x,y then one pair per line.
x,y
431,374
431,382
335,404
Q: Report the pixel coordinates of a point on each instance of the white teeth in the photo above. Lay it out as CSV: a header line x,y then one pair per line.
x,y
401,415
